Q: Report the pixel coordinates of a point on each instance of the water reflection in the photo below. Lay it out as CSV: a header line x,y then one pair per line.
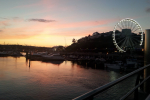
x,y
46,80
28,62
88,64
113,76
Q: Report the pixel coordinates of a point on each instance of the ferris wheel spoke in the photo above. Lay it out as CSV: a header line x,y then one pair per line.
x,y
119,27
122,25
135,30
135,42
128,42
121,41
136,39
127,24
132,42
123,44
133,27
121,36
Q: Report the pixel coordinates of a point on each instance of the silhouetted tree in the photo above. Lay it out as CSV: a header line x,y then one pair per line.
x,y
73,40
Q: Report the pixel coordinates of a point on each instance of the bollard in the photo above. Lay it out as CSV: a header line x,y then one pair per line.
x,y
147,60
27,54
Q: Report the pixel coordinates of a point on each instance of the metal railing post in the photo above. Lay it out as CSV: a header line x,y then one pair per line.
x,y
147,59
136,91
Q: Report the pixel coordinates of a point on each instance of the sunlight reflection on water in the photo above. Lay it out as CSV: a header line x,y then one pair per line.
x,y
48,80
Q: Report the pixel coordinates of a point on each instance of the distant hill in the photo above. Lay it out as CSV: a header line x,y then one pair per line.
x,y
95,43
98,42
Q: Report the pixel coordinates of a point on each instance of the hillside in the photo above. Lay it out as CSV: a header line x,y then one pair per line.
x,y
93,45
96,43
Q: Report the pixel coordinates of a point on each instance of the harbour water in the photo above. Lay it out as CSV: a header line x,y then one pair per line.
x,y
37,80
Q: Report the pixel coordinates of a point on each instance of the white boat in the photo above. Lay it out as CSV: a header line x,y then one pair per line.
x,y
53,57
15,54
4,53
39,54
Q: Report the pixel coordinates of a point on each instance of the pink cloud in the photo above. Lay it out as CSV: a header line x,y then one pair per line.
x,y
83,24
25,30
90,23
81,28
17,29
4,23
9,21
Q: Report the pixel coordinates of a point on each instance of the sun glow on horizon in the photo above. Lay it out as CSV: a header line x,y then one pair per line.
x,y
40,40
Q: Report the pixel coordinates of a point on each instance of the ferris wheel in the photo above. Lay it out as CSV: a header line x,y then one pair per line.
x,y
127,34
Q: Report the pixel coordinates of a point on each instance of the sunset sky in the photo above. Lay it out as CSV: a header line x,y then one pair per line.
x,y
56,22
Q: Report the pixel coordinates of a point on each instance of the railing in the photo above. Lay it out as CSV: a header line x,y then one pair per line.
x,y
90,95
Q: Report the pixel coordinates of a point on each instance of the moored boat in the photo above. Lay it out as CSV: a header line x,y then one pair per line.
x,y
52,57
3,54
37,55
